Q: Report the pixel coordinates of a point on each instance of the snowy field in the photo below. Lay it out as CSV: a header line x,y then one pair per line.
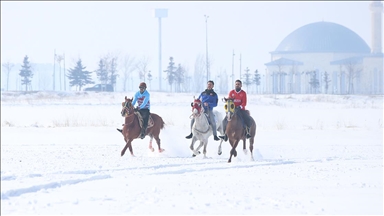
x,y
314,154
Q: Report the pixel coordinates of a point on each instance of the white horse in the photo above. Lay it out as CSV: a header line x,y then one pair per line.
x,y
201,128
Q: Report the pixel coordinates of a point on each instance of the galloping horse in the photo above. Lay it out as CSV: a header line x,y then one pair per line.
x,y
201,128
236,130
132,127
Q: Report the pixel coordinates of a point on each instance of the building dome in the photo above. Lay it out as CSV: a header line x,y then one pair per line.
x,y
323,37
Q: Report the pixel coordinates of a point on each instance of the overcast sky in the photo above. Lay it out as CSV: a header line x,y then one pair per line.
x,y
89,30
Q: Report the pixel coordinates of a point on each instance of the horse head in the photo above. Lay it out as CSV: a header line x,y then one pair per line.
x,y
197,107
127,107
229,108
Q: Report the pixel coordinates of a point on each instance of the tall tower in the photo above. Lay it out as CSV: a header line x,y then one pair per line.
x,y
376,30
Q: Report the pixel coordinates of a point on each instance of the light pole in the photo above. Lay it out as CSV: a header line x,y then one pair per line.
x,y
160,13
206,44
233,65
54,62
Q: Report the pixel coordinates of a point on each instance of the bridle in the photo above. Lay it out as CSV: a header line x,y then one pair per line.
x,y
229,108
127,109
197,108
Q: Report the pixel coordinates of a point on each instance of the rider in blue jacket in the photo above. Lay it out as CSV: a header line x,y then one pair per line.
x,y
209,99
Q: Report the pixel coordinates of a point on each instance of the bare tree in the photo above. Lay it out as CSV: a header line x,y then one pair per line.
x,y
277,78
142,67
8,68
222,83
127,67
149,77
198,74
353,71
185,85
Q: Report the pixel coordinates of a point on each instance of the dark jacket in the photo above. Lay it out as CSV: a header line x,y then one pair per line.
x,y
210,97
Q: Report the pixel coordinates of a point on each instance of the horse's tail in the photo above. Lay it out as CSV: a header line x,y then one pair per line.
x,y
162,123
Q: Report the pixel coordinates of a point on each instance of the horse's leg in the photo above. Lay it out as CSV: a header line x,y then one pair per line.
x,y
197,152
194,139
220,150
128,145
150,144
251,140
233,150
158,142
205,148
244,146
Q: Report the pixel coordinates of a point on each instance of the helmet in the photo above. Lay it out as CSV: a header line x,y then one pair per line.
x,y
142,84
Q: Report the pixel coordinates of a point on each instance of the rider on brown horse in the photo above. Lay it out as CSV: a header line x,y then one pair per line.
x,y
142,97
239,97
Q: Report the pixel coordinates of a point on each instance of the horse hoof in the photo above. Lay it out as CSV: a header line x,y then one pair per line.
x,y
152,149
219,153
235,154
193,155
161,150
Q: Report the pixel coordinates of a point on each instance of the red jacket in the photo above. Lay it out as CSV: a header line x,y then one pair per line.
x,y
240,98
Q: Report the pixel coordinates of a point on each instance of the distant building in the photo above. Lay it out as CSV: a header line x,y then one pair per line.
x,y
302,60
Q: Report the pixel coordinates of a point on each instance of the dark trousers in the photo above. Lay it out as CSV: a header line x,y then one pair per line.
x,y
211,117
145,115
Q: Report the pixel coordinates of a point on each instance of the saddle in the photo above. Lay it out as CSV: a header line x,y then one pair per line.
x,y
150,120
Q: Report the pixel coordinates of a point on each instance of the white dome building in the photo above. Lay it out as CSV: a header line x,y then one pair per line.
x,y
326,57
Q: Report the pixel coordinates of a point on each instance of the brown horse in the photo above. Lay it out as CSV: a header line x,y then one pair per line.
x,y
236,130
132,126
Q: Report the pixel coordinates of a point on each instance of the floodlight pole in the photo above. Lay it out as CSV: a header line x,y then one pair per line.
x,y
206,44
160,13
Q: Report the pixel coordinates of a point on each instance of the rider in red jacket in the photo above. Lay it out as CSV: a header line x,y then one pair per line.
x,y
240,100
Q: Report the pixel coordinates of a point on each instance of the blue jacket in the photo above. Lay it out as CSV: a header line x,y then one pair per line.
x,y
210,97
142,100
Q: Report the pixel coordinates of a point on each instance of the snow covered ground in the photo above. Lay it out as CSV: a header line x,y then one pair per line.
x,y
314,154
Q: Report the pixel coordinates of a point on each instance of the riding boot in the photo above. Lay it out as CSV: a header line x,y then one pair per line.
x,y
224,123
215,132
142,135
189,136
225,137
248,135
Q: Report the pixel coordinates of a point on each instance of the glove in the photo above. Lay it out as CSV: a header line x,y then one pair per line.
x,y
136,109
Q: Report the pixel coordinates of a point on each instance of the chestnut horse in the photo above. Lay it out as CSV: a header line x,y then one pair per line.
x,y
201,129
236,130
132,128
